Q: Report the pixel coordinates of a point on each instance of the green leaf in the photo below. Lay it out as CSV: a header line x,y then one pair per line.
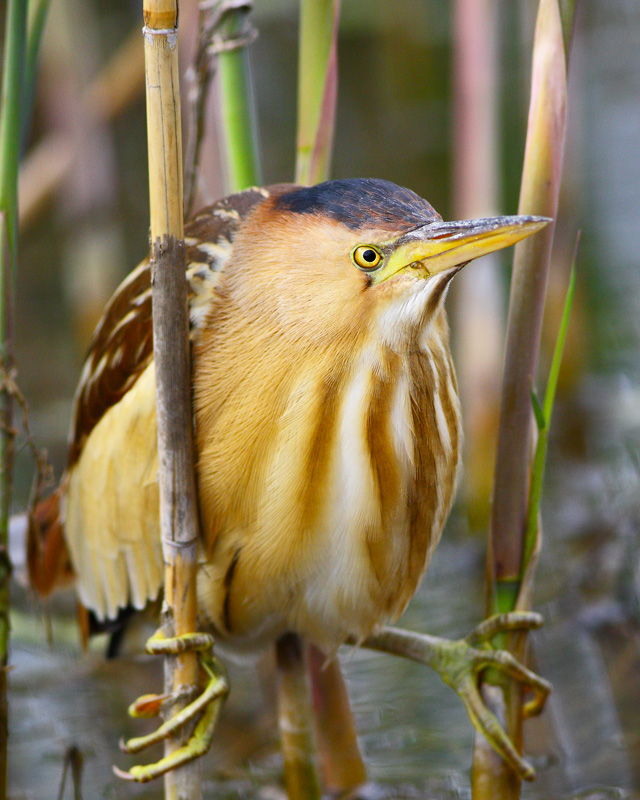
x,y
541,422
544,414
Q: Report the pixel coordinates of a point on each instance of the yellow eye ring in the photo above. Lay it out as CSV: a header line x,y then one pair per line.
x,y
366,257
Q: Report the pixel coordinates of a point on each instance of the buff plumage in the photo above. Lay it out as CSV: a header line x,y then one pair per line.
x,y
326,414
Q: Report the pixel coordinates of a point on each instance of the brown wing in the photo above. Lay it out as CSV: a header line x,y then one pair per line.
x,y
122,345
107,502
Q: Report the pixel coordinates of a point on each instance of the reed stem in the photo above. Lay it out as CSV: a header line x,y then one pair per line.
x,y
237,101
343,767
37,17
10,131
178,509
342,764
510,579
317,88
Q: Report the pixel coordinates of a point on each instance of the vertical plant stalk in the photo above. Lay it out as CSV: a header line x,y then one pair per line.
x,y
294,714
237,101
317,88
225,34
343,767
37,17
12,82
539,195
178,509
478,294
7,437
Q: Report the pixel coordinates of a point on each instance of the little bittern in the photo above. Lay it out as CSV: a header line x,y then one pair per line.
x,y
326,417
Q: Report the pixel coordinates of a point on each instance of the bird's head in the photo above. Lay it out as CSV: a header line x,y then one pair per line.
x,y
357,254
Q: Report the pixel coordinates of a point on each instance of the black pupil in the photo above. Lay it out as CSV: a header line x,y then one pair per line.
x,y
369,256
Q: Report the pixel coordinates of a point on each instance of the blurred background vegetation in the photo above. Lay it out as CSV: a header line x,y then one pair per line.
x,y
395,120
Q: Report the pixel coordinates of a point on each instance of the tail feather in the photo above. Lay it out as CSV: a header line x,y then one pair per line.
x,y
48,561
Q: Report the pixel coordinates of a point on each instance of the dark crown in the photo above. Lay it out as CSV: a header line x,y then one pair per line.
x,y
361,202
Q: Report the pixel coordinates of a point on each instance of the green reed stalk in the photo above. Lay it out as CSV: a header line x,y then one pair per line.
x,y
225,33
317,88
12,83
510,575
237,104
38,10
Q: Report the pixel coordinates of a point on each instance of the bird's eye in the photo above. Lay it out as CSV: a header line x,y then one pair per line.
x,y
366,257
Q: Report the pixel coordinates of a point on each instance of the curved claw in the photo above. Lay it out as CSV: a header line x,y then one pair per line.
x,y
503,660
504,623
198,745
207,706
489,726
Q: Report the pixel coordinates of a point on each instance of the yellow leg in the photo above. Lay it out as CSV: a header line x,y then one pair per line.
x,y
343,768
207,706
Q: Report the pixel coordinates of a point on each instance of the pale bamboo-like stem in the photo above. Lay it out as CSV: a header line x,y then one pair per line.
x,y
178,509
539,195
295,718
343,767
317,88
477,293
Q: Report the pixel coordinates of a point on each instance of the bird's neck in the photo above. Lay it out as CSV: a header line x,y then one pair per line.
x,y
413,313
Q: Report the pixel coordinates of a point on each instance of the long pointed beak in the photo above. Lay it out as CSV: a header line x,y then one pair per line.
x,y
439,246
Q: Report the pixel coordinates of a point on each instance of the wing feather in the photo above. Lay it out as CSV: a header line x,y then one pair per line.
x,y
110,504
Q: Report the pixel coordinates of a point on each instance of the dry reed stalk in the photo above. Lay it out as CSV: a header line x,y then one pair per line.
x,y
178,509
510,580
477,294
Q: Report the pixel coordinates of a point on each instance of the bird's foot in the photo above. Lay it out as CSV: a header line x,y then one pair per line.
x,y
459,664
206,706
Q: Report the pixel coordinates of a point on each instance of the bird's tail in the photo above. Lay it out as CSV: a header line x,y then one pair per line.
x,y
48,562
